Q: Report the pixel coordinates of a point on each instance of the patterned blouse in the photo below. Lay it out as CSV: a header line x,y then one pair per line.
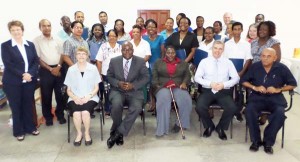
x,y
256,49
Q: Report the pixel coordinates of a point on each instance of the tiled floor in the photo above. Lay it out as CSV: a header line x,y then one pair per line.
x,y
51,145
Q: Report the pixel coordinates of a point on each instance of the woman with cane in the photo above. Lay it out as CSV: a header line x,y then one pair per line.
x,y
170,79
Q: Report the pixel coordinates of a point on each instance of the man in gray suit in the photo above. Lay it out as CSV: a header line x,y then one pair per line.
x,y
127,75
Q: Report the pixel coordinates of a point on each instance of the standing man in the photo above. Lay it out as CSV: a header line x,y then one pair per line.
x,y
103,20
127,75
49,50
217,75
267,79
237,48
66,31
79,16
227,17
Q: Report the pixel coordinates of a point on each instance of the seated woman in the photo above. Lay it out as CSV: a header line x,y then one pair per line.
x,y
171,72
82,80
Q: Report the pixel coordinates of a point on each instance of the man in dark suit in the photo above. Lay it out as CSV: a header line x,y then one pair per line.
x,y
127,75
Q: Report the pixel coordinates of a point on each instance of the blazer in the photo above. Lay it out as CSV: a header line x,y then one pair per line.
x,y
15,65
138,75
160,75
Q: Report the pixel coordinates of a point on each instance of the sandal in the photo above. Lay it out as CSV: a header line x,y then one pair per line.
x,y
35,133
21,138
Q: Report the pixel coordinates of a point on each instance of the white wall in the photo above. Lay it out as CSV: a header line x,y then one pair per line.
x,y
283,13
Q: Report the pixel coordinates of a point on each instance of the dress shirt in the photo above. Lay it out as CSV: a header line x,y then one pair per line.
x,y
240,50
129,63
23,53
216,70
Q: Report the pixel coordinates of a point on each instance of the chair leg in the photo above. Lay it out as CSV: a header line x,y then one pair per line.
x,y
200,127
68,127
101,127
282,138
246,135
231,125
102,110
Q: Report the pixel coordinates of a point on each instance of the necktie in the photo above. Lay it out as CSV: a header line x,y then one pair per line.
x,y
126,70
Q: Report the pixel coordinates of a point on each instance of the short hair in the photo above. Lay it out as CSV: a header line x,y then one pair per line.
x,y
237,24
271,25
149,21
82,49
101,12
92,30
170,18
210,27
112,30
76,22
123,30
77,12
182,14
15,23
43,20
199,17
220,23
137,26
218,42
189,21
260,15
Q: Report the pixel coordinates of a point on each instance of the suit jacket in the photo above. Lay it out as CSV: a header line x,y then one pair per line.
x,y
138,75
160,74
15,65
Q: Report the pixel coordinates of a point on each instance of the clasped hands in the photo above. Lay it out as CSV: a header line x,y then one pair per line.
x,y
82,100
27,77
217,86
270,90
126,86
55,71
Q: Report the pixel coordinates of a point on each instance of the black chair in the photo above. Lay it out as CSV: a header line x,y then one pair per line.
x,y
288,108
214,107
67,109
142,114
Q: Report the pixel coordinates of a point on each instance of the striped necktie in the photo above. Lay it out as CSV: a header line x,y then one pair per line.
x,y
126,69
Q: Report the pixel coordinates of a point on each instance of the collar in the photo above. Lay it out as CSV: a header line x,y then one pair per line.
x,y
14,42
176,61
43,37
128,60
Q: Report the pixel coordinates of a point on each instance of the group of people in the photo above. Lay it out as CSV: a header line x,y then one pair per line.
x,y
128,62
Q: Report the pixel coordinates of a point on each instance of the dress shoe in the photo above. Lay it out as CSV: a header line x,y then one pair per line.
x,y
239,117
78,143
175,129
268,149
92,116
88,143
62,121
221,133
120,140
255,146
113,139
49,123
208,131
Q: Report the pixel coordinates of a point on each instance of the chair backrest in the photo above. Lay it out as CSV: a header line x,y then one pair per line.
x,y
238,63
199,55
181,54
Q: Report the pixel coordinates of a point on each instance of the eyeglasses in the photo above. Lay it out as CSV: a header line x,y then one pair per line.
x,y
78,27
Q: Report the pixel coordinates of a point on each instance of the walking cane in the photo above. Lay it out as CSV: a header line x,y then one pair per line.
x,y
182,133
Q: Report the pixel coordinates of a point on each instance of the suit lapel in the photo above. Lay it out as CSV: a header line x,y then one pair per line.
x,y
131,70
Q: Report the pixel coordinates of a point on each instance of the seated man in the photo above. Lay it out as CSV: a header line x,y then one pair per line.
x,y
267,79
217,75
127,75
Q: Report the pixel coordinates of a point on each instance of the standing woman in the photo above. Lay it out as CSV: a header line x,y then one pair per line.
x,y
95,40
122,35
252,33
83,81
20,78
169,28
265,32
183,39
107,51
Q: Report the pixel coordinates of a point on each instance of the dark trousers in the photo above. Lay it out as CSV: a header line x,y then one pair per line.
x,y
276,120
21,99
134,108
224,99
49,83
239,99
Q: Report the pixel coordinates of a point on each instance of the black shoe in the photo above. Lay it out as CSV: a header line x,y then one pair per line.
x,y
87,143
93,116
263,119
268,149
255,146
120,140
62,121
78,143
239,117
208,131
221,133
175,129
113,138
49,123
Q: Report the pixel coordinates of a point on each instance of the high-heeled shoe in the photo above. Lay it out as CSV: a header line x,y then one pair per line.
x,y
78,143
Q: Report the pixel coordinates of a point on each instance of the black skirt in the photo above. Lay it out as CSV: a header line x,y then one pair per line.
x,y
89,106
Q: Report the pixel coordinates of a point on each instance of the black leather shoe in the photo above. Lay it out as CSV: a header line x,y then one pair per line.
x,y
88,143
113,139
208,131
120,140
93,116
175,129
49,123
222,134
255,146
62,121
78,143
239,117
268,149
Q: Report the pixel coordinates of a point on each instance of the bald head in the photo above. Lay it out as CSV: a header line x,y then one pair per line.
x,y
127,50
268,57
227,17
